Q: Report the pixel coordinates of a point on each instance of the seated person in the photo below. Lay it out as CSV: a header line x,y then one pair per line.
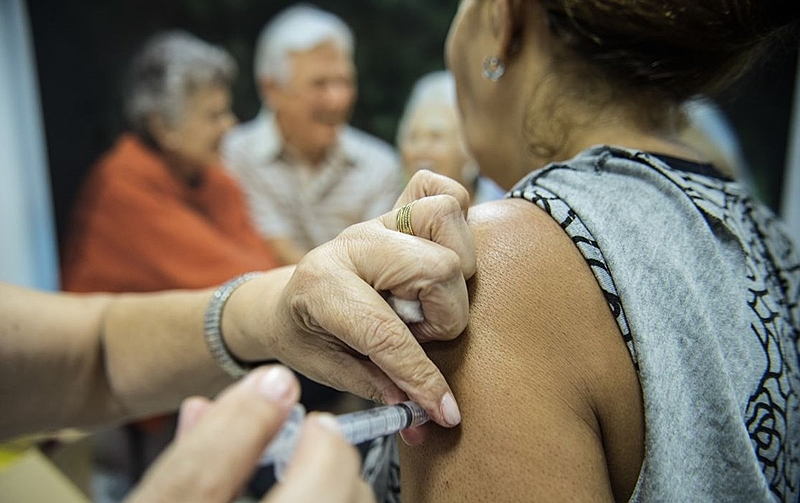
x,y
429,137
157,212
306,172
634,320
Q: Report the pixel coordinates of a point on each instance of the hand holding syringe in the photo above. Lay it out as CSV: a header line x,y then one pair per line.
x,y
356,428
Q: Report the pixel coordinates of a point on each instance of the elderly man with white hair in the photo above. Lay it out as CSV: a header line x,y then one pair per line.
x,y
306,172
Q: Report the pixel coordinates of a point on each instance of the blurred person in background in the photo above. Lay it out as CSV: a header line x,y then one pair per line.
x,y
430,137
158,212
306,172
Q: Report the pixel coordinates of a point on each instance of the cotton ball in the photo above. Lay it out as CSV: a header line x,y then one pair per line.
x,y
410,311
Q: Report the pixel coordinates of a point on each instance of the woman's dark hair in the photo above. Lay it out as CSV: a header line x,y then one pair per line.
x,y
676,48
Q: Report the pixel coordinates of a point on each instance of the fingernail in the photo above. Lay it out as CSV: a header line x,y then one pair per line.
x,y
276,385
186,408
450,412
328,422
186,415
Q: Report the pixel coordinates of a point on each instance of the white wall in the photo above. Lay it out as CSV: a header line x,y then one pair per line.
x,y
790,206
28,250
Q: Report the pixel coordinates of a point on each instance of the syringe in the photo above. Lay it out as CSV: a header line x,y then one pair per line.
x,y
356,428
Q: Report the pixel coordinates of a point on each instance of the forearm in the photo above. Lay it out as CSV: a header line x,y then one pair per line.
x,y
155,352
51,367
255,322
83,360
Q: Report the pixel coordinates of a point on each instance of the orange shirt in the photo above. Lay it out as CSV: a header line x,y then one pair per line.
x,y
138,228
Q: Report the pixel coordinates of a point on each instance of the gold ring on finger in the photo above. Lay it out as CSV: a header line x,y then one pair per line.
x,y
403,219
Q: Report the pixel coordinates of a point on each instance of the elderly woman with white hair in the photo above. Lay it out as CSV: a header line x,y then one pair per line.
x,y
429,137
157,212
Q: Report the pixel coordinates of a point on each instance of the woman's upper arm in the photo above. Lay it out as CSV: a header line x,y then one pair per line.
x,y
542,376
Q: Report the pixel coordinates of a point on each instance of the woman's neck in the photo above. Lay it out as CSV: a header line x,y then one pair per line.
x,y
620,128
667,144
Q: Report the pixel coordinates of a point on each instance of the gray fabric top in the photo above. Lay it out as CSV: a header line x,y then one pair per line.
x,y
704,285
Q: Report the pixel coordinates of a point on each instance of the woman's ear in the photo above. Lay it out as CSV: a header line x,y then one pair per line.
x,y
505,19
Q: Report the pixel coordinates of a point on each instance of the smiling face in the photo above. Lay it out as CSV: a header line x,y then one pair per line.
x,y
433,141
316,101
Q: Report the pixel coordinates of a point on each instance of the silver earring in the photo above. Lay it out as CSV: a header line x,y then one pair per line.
x,y
493,68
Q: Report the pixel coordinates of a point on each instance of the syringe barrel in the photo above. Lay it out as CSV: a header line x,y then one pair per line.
x,y
359,427
280,449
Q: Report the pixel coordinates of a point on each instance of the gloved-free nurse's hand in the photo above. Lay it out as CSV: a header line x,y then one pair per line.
x,y
219,443
333,322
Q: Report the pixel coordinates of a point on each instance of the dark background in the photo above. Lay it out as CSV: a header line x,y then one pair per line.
x,y
82,49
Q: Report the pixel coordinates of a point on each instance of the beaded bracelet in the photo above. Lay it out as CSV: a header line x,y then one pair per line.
x,y
213,327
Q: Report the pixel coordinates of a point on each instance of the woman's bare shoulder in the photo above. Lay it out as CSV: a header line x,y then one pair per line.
x,y
538,375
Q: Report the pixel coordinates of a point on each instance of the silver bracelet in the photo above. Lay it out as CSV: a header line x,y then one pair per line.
x,y
213,327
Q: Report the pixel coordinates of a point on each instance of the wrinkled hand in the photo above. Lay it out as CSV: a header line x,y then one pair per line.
x,y
337,312
219,444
